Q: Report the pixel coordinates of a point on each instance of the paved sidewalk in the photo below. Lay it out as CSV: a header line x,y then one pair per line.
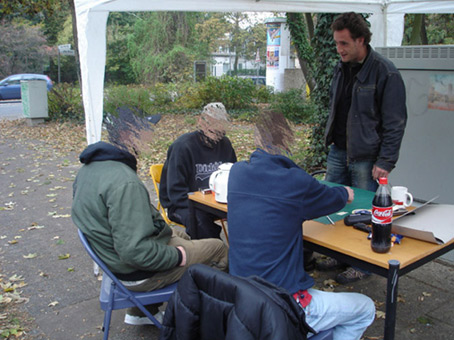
x,y
36,194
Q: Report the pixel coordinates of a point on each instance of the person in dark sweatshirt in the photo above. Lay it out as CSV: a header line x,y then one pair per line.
x,y
269,198
111,206
191,159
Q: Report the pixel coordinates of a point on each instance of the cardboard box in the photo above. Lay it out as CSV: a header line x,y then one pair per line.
x,y
430,222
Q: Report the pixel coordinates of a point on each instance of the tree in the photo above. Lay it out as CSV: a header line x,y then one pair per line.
x,y
317,55
120,26
256,40
26,9
237,35
23,49
428,29
164,46
233,32
301,40
212,31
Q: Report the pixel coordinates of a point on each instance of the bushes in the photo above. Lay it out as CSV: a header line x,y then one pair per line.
x,y
293,105
134,96
240,96
65,103
233,92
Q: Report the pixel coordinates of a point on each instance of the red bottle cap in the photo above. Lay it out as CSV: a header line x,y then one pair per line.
x,y
383,180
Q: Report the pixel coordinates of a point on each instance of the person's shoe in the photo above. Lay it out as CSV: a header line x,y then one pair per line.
x,y
143,320
351,275
328,263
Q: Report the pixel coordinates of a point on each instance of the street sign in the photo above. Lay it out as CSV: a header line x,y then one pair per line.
x,y
257,57
67,52
64,47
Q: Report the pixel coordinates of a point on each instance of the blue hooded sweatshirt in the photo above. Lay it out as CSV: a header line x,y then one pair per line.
x,y
269,198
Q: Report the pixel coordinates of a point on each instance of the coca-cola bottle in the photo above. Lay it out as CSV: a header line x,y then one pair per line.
x,y
382,216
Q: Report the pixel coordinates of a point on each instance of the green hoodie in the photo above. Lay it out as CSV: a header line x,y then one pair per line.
x,y
111,206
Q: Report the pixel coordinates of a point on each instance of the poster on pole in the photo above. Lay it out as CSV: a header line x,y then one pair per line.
x,y
273,40
272,56
273,34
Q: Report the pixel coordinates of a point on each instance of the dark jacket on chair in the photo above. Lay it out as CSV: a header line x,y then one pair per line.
x,y
210,304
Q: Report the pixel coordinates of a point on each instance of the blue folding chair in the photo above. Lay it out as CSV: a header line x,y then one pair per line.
x,y
114,295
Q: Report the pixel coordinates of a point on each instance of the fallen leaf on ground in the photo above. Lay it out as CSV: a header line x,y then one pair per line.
x,y
379,314
330,283
35,227
57,188
64,257
15,277
30,256
61,216
53,304
424,320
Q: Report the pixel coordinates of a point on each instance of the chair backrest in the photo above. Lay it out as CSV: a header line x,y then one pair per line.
x,y
114,295
98,261
155,173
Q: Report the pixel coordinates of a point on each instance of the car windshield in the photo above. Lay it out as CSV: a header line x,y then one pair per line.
x,y
10,80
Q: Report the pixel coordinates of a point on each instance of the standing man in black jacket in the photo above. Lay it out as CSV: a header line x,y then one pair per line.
x,y
191,159
367,113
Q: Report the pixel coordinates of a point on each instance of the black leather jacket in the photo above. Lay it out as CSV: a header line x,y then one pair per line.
x,y
378,113
209,304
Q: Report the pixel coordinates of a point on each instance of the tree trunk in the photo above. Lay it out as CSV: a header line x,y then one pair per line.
x,y
76,41
310,25
424,39
415,38
295,21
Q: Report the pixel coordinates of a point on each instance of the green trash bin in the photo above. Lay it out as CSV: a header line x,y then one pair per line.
x,y
34,100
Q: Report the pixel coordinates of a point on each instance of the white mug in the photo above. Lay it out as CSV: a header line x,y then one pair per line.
x,y
401,196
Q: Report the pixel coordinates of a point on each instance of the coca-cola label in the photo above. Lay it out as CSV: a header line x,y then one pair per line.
x,y
382,215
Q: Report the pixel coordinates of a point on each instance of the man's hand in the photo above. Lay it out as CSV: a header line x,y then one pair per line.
x,y
379,172
351,194
183,253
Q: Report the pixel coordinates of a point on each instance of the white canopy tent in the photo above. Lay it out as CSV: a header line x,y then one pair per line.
x,y
91,15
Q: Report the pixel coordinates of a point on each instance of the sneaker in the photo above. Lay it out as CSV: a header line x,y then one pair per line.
x,y
328,263
143,320
351,275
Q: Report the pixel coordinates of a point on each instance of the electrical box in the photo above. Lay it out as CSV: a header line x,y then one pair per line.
x,y
425,162
34,99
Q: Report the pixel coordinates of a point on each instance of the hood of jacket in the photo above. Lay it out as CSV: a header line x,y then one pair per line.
x,y
102,151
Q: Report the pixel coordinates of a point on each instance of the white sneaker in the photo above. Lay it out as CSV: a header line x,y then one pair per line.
x,y
143,320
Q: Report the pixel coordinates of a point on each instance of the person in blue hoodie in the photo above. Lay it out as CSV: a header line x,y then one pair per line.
x,y
269,198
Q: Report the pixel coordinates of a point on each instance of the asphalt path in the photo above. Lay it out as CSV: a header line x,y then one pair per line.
x,y
11,109
39,243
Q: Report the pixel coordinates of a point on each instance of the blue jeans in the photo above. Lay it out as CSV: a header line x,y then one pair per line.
x,y
356,174
348,314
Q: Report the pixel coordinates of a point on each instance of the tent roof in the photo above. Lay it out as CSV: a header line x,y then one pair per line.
x,y
91,16
307,6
